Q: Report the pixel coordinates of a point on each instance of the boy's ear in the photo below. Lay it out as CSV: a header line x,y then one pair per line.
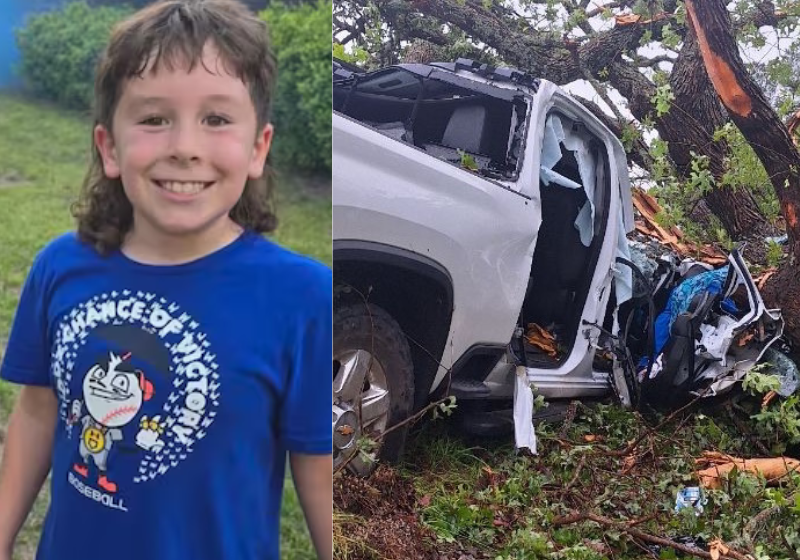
x,y
105,145
260,151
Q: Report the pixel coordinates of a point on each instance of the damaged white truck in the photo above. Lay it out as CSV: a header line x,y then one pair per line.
x,y
479,248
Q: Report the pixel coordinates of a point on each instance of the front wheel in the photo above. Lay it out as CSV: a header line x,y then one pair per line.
x,y
373,385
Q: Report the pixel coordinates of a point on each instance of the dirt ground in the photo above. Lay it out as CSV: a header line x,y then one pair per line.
x,y
377,520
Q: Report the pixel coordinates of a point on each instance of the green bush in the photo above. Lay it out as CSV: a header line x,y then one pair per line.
x,y
60,49
302,110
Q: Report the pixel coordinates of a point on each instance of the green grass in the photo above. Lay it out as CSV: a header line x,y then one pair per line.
x,y
43,156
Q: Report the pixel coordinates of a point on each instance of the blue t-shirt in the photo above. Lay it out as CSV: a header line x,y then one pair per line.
x,y
180,389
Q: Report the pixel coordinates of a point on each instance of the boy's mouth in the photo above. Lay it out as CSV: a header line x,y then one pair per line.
x,y
183,187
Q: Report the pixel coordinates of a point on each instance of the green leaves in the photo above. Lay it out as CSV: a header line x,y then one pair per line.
x,y
484,497
630,135
757,382
302,110
663,98
779,421
445,408
468,161
774,253
669,38
60,49
700,179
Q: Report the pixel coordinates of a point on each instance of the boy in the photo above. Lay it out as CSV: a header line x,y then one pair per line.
x,y
170,356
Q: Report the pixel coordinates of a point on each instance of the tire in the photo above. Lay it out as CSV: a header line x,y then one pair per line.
x,y
373,381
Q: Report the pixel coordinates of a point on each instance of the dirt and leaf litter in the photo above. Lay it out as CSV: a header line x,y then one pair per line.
x,y
603,486
605,481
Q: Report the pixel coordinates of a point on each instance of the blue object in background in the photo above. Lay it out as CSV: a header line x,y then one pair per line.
x,y
12,16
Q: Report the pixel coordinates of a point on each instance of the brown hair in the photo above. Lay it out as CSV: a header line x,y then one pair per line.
x,y
173,32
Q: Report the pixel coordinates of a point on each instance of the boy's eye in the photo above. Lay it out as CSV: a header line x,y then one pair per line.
x,y
216,120
153,121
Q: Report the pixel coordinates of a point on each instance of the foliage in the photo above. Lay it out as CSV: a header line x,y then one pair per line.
x,y
774,252
60,50
744,170
777,423
663,99
359,56
302,112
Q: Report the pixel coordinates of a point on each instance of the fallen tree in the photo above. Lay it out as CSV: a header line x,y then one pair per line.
x,y
766,133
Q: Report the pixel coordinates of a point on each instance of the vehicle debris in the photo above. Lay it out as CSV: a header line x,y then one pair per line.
x,y
785,370
713,328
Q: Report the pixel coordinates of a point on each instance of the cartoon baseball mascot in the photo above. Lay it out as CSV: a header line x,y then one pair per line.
x,y
113,394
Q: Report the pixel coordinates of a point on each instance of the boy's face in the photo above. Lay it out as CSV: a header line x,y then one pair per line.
x,y
184,144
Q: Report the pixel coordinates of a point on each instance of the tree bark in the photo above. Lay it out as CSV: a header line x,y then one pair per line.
x,y
694,93
763,129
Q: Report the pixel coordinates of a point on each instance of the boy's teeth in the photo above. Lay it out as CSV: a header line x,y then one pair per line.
x,y
183,188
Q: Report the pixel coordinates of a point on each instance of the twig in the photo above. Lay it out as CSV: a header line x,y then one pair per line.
x,y
413,418
578,469
572,409
789,547
642,520
752,527
576,517
743,429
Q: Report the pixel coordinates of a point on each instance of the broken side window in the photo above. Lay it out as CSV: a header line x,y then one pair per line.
x,y
447,116
569,161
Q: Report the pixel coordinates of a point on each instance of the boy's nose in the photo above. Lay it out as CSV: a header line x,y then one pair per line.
x,y
184,147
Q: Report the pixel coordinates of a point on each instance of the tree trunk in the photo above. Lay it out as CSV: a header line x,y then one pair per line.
x,y
763,129
695,97
738,212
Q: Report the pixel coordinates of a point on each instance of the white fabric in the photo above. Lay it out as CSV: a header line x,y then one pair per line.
x,y
554,135
524,433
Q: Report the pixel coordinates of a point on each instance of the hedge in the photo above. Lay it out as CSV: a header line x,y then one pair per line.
x,y
60,50
302,113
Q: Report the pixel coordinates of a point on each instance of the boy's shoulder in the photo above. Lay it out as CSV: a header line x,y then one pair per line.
x,y
66,241
271,255
66,247
289,268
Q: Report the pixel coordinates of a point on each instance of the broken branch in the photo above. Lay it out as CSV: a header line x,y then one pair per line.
x,y
576,517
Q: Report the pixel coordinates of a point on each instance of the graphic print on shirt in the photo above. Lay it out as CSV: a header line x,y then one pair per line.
x,y
138,387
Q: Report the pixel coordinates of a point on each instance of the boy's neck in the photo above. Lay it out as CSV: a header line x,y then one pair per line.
x,y
149,247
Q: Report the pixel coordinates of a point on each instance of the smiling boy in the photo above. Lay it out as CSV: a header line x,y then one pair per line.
x,y
170,356
204,119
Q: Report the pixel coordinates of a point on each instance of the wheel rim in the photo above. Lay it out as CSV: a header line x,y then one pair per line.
x,y
360,407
